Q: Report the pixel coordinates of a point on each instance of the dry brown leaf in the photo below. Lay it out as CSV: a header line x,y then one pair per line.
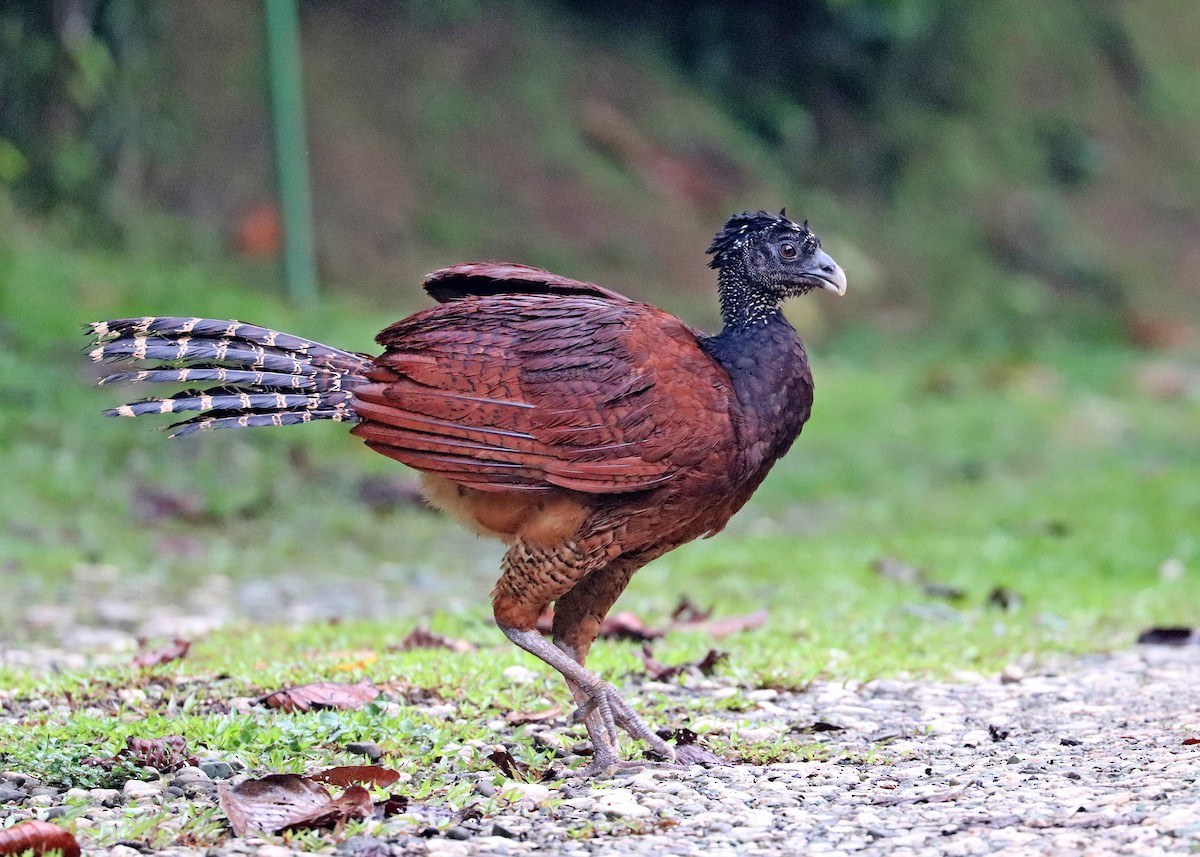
x,y
626,626
38,837
509,766
686,612
280,802
320,695
165,754
520,718
1168,636
723,627
156,657
658,672
392,805
423,638
349,775
618,626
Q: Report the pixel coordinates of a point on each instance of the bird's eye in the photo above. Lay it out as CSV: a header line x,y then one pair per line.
x,y
787,250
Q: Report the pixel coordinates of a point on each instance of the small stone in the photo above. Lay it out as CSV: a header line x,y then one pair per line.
x,y
190,774
217,770
1011,674
518,674
123,851
526,791
499,830
458,833
40,800
105,797
370,749
485,789
9,794
619,803
57,812
274,851
136,790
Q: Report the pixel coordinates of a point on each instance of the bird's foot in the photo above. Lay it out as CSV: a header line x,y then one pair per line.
x,y
615,712
606,763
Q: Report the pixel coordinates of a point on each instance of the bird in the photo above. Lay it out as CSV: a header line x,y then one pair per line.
x,y
589,431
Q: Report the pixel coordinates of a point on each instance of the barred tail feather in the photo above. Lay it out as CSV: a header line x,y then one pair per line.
x,y
266,377
188,374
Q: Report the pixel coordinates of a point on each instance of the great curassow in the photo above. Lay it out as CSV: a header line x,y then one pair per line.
x,y
590,432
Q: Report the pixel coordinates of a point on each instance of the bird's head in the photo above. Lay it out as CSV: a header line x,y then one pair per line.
x,y
773,256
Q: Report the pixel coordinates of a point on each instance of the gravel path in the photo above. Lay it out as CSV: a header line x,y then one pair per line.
x,y
1089,758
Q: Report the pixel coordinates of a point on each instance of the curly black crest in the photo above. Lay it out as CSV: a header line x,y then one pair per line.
x,y
740,227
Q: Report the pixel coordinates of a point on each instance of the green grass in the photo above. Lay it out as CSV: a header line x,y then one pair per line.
x,y
1054,476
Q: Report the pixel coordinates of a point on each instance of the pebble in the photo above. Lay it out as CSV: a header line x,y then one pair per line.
x,y
137,791
534,792
370,749
9,794
217,770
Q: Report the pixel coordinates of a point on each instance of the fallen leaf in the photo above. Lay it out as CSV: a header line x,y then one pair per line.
x,y
682,737
897,570
165,754
819,726
391,805
659,672
280,802
685,611
321,695
719,628
423,638
509,766
520,718
1168,637
709,662
152,504
348,775
355,803
655,670
910,575
618,626
626,626
1004,598
37,837
156,657
1159,332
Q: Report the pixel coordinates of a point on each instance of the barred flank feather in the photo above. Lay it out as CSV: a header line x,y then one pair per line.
x,y
267,377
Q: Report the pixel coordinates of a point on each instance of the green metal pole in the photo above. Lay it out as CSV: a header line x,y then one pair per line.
x,y
291,148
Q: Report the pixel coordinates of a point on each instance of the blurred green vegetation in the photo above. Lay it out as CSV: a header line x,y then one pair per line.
x,y
1047,457
1003,174
1069,481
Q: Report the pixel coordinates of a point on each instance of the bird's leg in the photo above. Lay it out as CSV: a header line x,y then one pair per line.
x,y
533,577
598,697
578,615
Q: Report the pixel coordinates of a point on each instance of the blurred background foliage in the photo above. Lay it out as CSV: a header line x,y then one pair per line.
x,y
999,173
1012,185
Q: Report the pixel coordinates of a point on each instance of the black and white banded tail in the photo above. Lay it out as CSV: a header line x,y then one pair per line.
x,y
262,377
